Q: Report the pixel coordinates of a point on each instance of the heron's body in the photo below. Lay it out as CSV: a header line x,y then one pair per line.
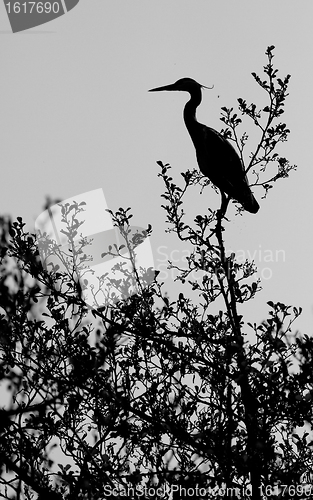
x,y
217,159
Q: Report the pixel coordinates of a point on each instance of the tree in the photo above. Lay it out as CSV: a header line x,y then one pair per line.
x,y
152,396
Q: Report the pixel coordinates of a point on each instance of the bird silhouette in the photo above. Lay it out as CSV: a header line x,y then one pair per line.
x,y
217,159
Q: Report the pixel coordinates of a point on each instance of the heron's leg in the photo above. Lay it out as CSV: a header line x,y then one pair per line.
x,y
220,214
224,204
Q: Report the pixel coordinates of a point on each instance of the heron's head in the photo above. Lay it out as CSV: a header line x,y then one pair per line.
x,y
184,84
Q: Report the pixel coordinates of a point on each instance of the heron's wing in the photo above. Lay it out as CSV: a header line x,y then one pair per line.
x,y
221,163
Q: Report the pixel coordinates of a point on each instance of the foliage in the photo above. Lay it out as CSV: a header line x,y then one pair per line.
x,y
264,157
148,394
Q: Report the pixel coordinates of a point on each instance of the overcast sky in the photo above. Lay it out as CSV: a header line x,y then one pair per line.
x,y
76,116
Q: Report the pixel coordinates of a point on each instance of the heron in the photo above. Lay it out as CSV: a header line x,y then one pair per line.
x,y
216,157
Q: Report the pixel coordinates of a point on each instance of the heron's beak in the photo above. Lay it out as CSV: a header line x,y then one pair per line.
x,y
167,87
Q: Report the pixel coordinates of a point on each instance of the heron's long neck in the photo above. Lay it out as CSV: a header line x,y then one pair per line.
x,y
190,112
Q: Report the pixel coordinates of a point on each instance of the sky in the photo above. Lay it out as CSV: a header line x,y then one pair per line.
x,y
76,116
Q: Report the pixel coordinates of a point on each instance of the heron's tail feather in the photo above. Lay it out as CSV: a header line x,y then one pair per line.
x,y
250,204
